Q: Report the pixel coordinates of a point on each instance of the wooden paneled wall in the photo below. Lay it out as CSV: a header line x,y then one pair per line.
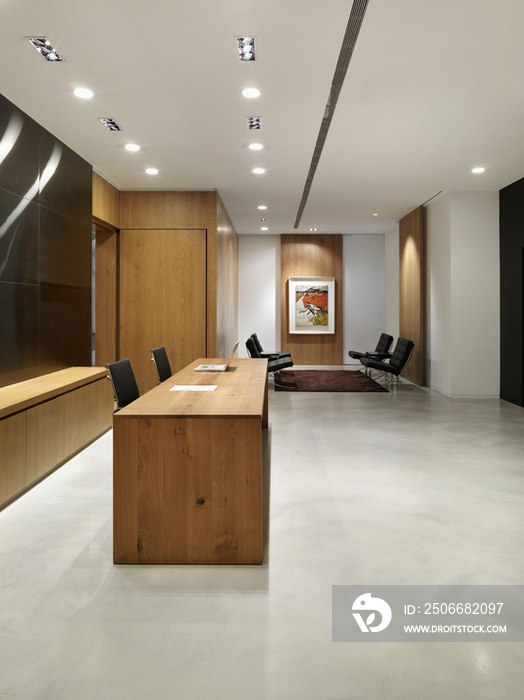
x,y
304,255
411,320
106,297
106,202
227,283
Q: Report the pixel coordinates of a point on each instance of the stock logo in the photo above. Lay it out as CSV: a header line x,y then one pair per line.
x,y
373,605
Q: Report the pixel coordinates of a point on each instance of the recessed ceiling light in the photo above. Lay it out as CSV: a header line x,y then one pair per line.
x,y
246,48
44,48
251,92
254,123
264,228
256,146
84,93
375,214
478,170
262,206
132,147
151,171
263,219
313,229
110,124
258,171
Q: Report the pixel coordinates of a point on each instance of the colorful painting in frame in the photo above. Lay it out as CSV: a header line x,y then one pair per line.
x,y
311,305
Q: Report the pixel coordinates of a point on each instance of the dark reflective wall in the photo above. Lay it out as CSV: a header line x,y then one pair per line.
x,y
45,251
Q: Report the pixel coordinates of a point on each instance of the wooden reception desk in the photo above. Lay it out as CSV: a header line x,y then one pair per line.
x,y
188,469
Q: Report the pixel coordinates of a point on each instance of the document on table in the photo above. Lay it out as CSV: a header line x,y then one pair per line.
x,y
194,387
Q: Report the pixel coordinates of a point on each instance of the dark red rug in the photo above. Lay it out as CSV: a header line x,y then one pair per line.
x,y
324,380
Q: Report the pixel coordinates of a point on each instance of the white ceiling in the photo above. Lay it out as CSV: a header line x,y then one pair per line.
x,y
434,88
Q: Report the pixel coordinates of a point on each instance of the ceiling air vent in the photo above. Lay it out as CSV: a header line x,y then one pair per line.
x,y
44,48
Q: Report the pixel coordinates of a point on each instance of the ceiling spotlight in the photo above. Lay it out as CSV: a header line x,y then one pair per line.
x,y
110,124
313,229
44,48
151,171
375,214
246,48
263,219
254,123
251,92
262,206
132,147
84,93
258,171
478,170
256,146
264,228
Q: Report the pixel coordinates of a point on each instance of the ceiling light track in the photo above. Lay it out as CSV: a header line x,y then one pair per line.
x,y
356,17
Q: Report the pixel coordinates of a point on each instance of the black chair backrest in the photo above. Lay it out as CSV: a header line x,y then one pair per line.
x,y
257,342
124,382
251,347
384,343
401,353
159,357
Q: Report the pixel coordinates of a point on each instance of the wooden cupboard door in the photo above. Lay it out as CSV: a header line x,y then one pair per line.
x,y
162,298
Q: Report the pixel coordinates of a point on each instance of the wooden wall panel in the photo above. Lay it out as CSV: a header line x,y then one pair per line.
x,y
411,314
168,210
106,202
226,299
162,298
106,290
304,255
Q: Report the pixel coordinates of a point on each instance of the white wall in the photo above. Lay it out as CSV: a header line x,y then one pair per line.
x,y
462,294
364,292
392,283
259,291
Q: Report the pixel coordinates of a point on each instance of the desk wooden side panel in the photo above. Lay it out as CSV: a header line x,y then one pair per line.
x,y
187,490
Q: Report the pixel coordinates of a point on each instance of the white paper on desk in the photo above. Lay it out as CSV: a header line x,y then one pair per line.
x,y
194,387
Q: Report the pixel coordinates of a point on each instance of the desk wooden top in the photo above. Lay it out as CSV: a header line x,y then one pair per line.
x,y
240,392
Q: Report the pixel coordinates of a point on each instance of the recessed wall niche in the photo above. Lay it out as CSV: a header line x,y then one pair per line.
x,y
45,250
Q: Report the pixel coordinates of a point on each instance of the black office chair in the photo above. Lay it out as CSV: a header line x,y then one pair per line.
x,y
159,357
278,353
124,383
274,364
396,364
381,352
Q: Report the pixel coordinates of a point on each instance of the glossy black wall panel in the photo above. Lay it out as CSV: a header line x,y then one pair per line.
x,y
512,293
45,250
18,239
19,139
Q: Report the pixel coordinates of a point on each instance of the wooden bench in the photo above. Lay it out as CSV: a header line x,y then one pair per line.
x,y
46,420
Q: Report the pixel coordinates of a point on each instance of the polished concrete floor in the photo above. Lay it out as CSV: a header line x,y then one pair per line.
x,y
408,487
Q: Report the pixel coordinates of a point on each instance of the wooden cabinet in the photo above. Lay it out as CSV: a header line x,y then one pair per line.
x,y
46,420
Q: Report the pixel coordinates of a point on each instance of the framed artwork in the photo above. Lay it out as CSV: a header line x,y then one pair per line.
x,y
311,305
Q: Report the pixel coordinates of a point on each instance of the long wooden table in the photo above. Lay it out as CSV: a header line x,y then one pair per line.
x,y
187,469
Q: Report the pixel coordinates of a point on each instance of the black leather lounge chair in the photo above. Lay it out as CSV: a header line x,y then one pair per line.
x,y
274,364
279,353
381,352
396,364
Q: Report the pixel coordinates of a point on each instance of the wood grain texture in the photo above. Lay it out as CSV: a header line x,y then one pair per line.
x,y
188,471
106,202
63,415
305,255
13,438
162,298
411,313
226,299
167,210
106,286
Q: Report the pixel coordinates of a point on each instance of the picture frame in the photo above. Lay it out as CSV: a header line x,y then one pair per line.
x,y
311,305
